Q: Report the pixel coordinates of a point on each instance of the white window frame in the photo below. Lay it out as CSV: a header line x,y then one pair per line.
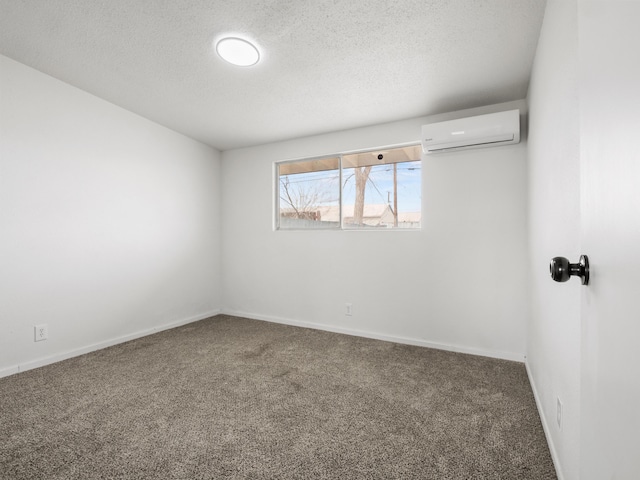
x,y
339,156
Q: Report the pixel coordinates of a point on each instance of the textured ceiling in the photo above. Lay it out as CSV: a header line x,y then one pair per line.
x,y
326,64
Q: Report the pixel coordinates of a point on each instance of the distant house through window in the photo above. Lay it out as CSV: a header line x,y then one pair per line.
x,y
377,189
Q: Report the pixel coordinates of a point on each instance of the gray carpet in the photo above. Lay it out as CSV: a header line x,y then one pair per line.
x,y
236,398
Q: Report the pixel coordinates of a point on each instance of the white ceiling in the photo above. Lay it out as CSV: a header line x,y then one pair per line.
x,y
326,64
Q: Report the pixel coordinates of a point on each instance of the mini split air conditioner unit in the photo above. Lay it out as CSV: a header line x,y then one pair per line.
x,y
482,131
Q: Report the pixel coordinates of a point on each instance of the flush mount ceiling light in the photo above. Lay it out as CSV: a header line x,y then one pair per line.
x,y
238,51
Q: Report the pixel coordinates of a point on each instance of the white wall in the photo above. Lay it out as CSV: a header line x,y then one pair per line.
x,y
109,222
459,283
553,334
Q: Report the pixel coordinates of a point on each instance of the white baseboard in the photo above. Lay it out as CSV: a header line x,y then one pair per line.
x,y
545,424
5,372
41,362
380,336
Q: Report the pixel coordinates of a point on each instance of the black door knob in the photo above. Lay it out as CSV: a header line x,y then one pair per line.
x,y
562,270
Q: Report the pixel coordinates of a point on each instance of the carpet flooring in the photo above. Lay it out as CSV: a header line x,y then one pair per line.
x,y
229,397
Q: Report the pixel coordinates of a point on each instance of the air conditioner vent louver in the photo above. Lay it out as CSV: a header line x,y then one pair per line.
x,y
481,131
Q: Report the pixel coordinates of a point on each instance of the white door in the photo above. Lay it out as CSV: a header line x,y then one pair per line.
x,y
609,40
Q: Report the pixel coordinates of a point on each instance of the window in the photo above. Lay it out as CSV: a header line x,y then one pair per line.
x,y
309,192
378,189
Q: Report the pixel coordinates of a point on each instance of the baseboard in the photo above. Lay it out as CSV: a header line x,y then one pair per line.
x,y
5,372
379,336
545,424
41,362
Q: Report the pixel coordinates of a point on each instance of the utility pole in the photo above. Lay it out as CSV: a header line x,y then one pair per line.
x,y
395,194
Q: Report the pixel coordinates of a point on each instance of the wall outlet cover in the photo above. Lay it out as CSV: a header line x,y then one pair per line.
x,y
559,412
40,332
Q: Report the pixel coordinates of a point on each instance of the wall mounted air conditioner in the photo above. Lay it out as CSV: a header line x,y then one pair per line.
x,y
490,130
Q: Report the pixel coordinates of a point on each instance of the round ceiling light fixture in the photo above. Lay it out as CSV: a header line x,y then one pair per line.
x,y
238,51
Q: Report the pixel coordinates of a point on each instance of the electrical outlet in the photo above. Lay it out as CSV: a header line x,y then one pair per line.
x,y
41,332
348,309
559,412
